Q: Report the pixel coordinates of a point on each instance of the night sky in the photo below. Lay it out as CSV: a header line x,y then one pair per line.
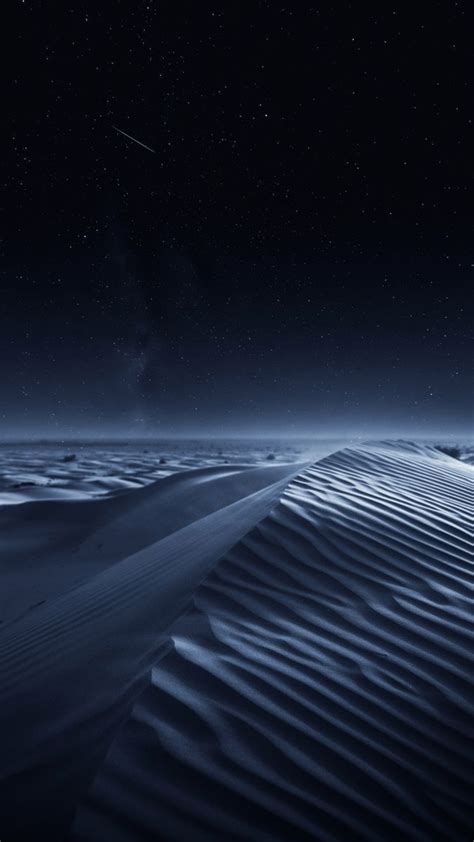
x,y
296,255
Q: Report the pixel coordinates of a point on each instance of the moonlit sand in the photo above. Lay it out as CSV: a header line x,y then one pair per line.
x,y
250,642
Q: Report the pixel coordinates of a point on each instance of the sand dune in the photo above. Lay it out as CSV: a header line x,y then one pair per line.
x,y
310,640
320,687
71,668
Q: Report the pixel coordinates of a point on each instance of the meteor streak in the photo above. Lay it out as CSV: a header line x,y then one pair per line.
x,y
134,139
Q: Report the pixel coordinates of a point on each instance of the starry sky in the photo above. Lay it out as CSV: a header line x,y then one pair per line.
x,y
294,257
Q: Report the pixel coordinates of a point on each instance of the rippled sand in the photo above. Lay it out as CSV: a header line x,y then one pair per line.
x,y
309,634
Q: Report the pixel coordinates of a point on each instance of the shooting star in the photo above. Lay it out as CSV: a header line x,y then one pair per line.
x,y
134,139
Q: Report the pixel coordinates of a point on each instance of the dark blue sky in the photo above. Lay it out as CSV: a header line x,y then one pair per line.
x,y
296,256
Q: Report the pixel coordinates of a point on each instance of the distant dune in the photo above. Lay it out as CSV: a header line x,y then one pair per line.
x,y
309,631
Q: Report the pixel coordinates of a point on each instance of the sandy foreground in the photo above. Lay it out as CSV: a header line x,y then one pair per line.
x,y
240,650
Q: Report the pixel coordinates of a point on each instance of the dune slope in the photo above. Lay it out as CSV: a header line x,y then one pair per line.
x,y
47,547
71,668
320,687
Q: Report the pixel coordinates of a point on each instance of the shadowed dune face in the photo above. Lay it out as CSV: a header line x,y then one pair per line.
x,y
71,669
48,547
320,686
